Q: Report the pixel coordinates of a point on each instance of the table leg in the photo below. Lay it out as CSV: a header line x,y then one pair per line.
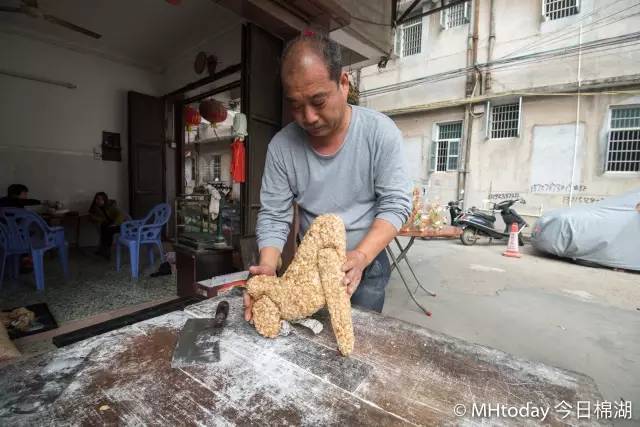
x,y
403,252
427,312
406,259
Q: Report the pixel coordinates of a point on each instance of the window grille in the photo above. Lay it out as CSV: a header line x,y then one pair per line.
x,y
213,171
558,9
505,121
446,147
455,16
409,40
623,148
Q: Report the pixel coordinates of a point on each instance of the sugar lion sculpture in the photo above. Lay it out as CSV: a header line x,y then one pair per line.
x,y
312,281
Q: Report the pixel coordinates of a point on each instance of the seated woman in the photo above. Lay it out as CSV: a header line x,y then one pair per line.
x,y
105,213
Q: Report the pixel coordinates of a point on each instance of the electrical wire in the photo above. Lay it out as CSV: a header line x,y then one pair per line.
x,y
572,52
603,24
502,63
573,28
550,37
605,49
484,98
571,36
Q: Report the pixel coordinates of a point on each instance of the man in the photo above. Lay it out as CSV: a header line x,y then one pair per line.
x,y
335,158
17,197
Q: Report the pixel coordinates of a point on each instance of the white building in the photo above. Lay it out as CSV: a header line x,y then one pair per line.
x,y
538,99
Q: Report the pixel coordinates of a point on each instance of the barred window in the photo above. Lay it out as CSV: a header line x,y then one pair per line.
x,y
446,147
213,171
455,15
623,151
409,38
504,121
216,168
558,9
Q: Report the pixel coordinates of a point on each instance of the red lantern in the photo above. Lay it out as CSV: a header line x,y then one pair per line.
x,y
213,111
191,116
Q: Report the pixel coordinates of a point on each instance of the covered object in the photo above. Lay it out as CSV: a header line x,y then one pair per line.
x,y
606,232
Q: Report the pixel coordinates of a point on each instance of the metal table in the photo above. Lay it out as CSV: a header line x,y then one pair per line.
x,y
446,231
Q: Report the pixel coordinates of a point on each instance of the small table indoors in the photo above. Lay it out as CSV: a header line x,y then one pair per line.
x,y
73,217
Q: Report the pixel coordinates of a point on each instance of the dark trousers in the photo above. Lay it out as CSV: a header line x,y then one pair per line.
x,y
106,235
370,293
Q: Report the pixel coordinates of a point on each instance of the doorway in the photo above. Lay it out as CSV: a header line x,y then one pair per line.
x,y
241,102
210,193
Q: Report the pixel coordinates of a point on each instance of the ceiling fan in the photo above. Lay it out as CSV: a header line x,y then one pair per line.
x,y
30,8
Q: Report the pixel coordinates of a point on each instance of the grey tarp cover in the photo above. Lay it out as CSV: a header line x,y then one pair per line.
x,y
606,232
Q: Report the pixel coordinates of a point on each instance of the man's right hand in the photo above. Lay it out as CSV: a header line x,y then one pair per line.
x,y
256,270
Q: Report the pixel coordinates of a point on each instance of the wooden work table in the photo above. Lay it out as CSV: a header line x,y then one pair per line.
x,y
399,374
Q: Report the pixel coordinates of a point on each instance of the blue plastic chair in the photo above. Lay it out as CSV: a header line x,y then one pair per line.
x,y
26,233
146,231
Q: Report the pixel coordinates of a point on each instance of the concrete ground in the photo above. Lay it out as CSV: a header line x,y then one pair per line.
x,y
539,308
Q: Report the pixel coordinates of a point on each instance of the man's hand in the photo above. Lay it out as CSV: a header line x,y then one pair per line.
x,y
255,270
353,268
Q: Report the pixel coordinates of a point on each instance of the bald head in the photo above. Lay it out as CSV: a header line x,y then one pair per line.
x,y
315,86
307,49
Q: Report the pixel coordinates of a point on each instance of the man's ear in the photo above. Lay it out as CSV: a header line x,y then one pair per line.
x,y
344,83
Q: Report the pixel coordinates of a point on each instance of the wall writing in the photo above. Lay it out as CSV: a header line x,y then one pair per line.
x,y
553,150
582,199
554,187
504,196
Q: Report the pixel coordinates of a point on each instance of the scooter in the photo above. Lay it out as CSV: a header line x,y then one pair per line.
x,y
455,211
477,223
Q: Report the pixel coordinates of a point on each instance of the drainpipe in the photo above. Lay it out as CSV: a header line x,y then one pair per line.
x,y
577,139
490,45
471,86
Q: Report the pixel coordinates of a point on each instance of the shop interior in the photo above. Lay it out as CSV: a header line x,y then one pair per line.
x,y
154,120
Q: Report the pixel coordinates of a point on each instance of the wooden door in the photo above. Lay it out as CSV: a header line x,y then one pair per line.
x,y
262,104
146,153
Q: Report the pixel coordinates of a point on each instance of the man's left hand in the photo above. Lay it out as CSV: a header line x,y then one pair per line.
x,y
353,268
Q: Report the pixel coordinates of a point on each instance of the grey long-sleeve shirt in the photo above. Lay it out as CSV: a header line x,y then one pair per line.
x,y
366,179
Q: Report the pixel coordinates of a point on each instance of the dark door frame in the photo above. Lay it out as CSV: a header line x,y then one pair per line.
x,y
132,155
179,100
231,69
234,84
253,62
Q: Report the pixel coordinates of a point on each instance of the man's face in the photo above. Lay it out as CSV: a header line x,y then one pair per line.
x,y
318,104
23,195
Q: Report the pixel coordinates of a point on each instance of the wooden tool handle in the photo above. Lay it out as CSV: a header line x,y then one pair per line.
x,y
221,313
